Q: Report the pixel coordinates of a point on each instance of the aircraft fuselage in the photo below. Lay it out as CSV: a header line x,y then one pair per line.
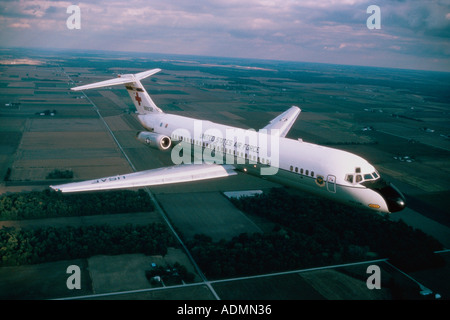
x,y
320,170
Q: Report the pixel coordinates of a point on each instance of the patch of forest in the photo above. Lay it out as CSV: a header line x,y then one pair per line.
x,y
50,204
23,246
312,232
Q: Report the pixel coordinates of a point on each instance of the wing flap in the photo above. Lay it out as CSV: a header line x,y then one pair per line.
x,y
160,176
283,123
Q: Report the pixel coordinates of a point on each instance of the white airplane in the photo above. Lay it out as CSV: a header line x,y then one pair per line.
x,y
220,151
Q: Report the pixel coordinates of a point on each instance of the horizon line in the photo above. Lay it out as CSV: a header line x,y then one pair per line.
x,y
86,51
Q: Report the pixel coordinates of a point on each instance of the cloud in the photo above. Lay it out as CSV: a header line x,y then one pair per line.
x,y
309,30
20,25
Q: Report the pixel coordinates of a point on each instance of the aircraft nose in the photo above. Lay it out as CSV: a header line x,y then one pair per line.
x,y
396,204
395,200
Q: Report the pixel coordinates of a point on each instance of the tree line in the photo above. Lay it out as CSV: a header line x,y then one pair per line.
x,y
30,246
60,174
47,204
311,232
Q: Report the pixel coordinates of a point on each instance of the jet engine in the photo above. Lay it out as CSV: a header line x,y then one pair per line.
x,y
154,140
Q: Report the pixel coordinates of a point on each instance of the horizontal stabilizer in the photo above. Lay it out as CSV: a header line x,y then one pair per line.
x,y
122,79
160,176
283,123
146,74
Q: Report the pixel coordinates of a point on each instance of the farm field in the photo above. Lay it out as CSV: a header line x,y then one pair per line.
x,y
384,115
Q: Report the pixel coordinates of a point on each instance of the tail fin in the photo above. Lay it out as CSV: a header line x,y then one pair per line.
x,y
141,99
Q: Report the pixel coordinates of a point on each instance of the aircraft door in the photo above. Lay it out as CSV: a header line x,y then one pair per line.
x,y
331,183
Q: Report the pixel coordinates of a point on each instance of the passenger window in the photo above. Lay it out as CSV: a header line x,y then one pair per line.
x,y
307,172
301,170
312,173
358,178
292,168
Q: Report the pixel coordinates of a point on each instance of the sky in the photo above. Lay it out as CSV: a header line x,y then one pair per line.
x,y
413,34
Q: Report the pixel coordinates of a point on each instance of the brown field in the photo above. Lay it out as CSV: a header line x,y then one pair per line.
x,y
127,272
80,145
62,140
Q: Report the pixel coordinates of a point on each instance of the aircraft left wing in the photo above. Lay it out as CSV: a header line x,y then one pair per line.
x,y
160,176
284,121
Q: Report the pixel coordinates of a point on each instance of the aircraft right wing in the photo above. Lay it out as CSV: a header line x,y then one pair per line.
x,y
160,176
284,121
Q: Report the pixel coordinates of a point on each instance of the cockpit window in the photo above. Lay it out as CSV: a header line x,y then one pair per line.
x,y
357,177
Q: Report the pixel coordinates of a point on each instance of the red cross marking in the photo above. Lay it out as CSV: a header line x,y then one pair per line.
x,y
138,99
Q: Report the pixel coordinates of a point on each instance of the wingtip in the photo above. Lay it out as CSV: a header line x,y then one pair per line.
x,y
54,188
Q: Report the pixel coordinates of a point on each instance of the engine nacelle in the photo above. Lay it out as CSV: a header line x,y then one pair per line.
x,y
154,140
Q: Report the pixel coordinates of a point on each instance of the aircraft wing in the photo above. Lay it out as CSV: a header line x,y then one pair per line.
x,y
160,176
284,121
